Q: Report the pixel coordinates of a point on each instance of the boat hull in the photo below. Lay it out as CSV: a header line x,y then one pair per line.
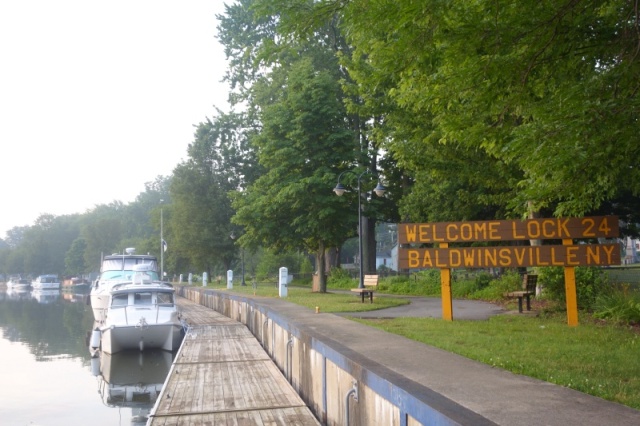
x,y
99,304
156,336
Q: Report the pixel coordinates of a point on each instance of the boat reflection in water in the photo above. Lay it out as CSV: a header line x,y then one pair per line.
x,y
76,295
132,379
46,296
18,293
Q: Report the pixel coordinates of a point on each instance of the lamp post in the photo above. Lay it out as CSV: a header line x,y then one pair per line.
x,y
161,243
339,190
233,237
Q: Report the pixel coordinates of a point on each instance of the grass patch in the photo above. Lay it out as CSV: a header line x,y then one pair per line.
x,y
332,301
600,360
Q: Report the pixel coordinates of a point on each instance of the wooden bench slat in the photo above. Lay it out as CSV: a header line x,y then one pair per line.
x,y
371,283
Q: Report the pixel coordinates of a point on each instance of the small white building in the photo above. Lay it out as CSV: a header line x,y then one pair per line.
x,y
630,251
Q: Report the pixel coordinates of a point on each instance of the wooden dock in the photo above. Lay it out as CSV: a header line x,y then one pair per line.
x,y
222,376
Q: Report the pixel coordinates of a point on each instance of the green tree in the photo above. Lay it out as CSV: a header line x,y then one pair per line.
x,y
264,57
218,163
545,91
304,135
103,230
74,259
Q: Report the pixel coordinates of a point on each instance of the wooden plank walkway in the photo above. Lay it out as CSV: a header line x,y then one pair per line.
x,y
222,376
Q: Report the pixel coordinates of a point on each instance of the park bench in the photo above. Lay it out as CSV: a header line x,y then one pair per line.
x,y
529,282
370,285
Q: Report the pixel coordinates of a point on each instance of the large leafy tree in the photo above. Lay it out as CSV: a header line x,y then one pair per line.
x,y
74,259
267,60
304,135
103,230
200,215
544,93
45,244
548,87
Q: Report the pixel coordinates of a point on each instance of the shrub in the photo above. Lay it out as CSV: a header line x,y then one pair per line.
x,y
423,283
509,281
591,283
482,280
464,288
619,306
340,278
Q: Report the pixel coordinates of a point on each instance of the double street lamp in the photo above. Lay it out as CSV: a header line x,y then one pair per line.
x,y
339,190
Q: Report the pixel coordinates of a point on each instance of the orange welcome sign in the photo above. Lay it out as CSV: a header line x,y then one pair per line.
x,y
509,230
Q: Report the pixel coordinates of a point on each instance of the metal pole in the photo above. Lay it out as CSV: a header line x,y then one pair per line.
x,y
361,283
161,246
243,283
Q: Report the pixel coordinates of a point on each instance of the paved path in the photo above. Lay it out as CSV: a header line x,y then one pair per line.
x,y
431,307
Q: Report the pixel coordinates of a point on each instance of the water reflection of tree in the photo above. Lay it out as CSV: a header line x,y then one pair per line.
x,y
49,330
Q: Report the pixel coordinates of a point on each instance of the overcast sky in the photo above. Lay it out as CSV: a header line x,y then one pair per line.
x,y
99,97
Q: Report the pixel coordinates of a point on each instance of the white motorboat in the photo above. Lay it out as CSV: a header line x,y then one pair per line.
x,y
142,314
17,283
46,282
117,269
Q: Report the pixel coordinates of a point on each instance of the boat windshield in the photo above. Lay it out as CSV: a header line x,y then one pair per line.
x,y
127,275
142,298
126,263
165,299
120,300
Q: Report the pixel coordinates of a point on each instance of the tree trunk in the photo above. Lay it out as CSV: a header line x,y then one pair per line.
x,y
332,258
320,268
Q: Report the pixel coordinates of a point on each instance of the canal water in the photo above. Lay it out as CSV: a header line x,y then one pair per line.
x,y
48,377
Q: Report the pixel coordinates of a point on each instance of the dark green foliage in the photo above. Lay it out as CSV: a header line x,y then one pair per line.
x,y
271,262
482,280
509,281
340,278
591,282
620,305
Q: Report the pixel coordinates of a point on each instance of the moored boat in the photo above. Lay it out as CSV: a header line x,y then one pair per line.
x,y
141,314
17,283
46,282
116,269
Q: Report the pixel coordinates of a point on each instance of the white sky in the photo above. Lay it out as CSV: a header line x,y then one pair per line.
x,y
99,97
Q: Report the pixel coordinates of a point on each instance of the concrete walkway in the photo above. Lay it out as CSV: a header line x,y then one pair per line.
x,y
471,392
